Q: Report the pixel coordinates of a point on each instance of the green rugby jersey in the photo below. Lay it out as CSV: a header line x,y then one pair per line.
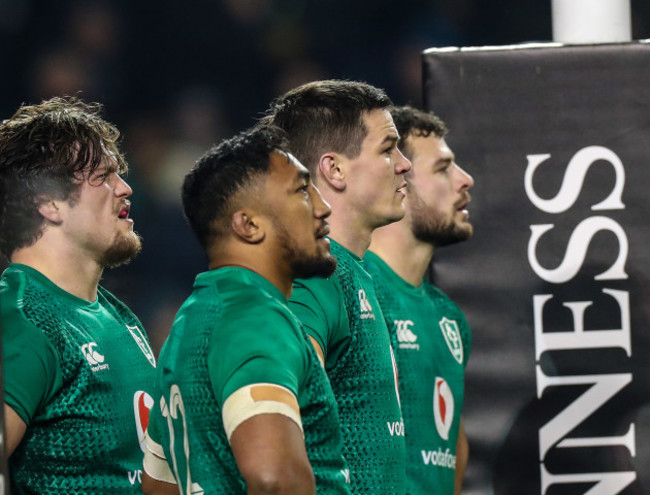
x,y
342,314
79,375
236,330
432,344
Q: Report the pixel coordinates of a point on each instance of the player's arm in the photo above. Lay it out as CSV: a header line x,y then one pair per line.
x,y
462,457
157,477
264,428
151,486
318,305
15,429
318,349
32,376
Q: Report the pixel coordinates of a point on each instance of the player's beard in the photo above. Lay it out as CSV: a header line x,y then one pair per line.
x,y
123,250
434,227
302,263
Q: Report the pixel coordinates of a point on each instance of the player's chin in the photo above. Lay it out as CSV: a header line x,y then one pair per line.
x,y
123,250
467,230
397,212
328,265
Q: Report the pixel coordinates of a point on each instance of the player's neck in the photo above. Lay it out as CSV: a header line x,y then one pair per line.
x,y
406,255
264,262
349,230
71,271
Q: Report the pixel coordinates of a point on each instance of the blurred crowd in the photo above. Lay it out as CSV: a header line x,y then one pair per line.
x,y
176,77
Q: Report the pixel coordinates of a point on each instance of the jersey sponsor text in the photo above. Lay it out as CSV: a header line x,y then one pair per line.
x,y
439,458
135,476
396,428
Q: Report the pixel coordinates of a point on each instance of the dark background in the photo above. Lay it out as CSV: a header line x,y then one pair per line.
x,y
178,76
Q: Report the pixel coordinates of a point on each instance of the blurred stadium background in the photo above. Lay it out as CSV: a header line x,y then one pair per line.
x,y
178,76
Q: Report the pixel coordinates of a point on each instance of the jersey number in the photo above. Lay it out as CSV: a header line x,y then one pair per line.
x,y
175,412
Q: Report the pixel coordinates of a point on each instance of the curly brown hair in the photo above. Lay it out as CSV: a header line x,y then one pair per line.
x,y
46,152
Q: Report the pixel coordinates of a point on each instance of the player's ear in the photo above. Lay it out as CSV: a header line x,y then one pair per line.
x,y
50,210
332,170
248,226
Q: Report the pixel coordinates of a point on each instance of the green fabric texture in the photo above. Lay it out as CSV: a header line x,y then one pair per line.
x,y
417,318
79,374
236,330
343,314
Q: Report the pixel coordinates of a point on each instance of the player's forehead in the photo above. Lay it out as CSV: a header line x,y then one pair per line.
x,y
287,167
380,126
432,147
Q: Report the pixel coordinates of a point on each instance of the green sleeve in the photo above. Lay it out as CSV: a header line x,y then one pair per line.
x,y
466,336
262,345
155,421
319,305
32,370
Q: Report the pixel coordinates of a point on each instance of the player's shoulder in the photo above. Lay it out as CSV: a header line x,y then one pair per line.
x,y
326,293
244,296
107,298
13,283
316,285
437,294
21,333
441,299
14,287
449,307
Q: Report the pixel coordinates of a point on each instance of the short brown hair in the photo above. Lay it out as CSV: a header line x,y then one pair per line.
x,y
323,116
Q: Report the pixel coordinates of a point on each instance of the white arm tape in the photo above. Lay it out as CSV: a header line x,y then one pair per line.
x,y
247,402
155,464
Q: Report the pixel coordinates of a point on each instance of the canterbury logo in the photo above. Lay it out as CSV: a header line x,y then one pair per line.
x,y
405,335
94,358
91,354
364,306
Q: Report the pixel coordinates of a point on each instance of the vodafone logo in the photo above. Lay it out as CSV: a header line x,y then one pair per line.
x,y
142,404
443,407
